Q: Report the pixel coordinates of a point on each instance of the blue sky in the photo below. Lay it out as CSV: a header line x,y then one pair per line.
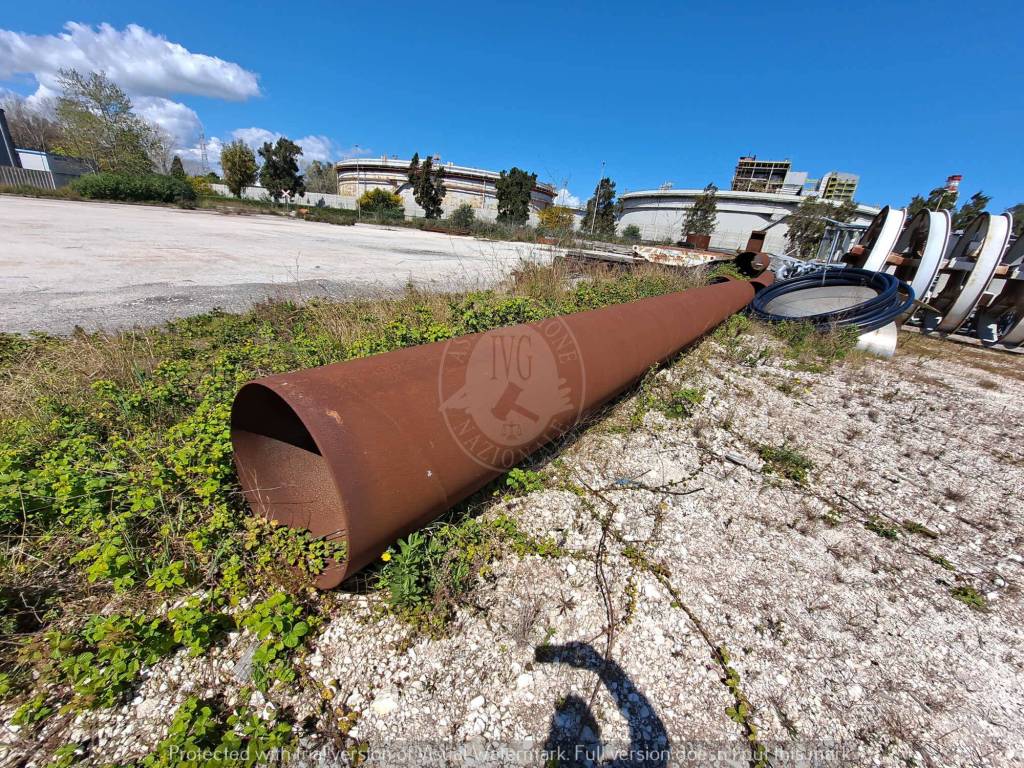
x,y
901,93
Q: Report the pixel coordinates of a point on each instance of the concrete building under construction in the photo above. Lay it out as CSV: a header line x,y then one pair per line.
x,y
778,177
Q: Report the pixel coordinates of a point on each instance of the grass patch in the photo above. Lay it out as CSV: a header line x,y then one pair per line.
x,y
970,597
785,461
814,350
910,526
681,403
879,527
118,498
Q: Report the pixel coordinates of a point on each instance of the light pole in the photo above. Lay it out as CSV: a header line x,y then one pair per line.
x,y
359,208
597,198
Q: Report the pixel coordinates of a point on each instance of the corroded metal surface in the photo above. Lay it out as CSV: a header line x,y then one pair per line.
x,y
369,450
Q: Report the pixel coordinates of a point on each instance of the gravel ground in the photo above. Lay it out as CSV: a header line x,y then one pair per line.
x,y
111,266
839,622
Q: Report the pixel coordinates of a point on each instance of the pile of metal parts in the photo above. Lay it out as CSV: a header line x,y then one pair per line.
x,y
366,451
967,283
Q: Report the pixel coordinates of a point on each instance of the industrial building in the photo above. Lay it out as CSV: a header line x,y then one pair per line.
x,y
660,213
474,186
838,186
778,176
32,168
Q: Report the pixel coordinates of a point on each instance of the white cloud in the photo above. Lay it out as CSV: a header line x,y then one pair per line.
x,y
180,122
149,67
255,137
317,147
139,61
567,198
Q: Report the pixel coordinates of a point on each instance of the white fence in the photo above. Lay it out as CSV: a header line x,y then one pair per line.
x,y
11,176
310,198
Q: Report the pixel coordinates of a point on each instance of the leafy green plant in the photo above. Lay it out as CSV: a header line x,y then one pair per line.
x,y
879,527
970,597
786,461
201,735
282,626
33,711
523,481
103,661
168,577
680,403
198,625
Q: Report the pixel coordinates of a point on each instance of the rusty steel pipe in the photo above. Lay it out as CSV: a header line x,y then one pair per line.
x,y
369,450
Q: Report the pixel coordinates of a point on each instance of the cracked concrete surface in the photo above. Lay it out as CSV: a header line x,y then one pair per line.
x,y
113,266
848,645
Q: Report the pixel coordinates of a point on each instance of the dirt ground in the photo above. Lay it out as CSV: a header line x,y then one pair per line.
x,y
709,610
112,266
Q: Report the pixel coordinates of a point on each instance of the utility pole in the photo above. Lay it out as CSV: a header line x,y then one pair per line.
x,y
359,208
202,151
597,198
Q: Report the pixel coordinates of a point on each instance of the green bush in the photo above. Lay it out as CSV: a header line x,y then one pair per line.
x,y
463,217
330,215
631,232
148,188
382,203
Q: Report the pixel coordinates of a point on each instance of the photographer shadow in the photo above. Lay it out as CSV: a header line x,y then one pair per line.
x,y
574,736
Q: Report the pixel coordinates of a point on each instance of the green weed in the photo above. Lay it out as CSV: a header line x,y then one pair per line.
x,y
879,527
970,597
680,403
786,461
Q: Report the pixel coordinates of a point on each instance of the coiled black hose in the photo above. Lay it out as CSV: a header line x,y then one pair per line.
x,y
894,298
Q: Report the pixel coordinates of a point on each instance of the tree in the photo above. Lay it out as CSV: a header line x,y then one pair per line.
x,y
97,123
514,189
427,185
280,172
177,169
702,216
239,166
807,225
31,127
556,218
631,232
321,177
599,217
939,199
970,209
1017,212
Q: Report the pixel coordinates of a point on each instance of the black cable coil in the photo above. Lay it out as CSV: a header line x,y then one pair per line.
x,y
894,298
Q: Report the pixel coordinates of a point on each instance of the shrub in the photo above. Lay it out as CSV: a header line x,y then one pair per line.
x,y
383,203
631,232
201,186
327,215
556,218
463,217
147,188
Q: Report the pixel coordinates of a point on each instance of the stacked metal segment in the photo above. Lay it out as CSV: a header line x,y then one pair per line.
x,y
966,283
369,450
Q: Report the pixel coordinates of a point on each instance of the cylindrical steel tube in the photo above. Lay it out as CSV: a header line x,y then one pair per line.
x,y
369,450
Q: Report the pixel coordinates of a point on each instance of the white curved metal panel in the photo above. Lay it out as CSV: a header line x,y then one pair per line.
x,y
988,256
885,237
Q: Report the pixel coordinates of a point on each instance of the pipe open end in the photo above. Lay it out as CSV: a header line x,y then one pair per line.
x,y
282,472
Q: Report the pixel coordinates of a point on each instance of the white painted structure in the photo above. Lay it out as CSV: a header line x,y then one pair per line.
x,y
660,213
464,185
